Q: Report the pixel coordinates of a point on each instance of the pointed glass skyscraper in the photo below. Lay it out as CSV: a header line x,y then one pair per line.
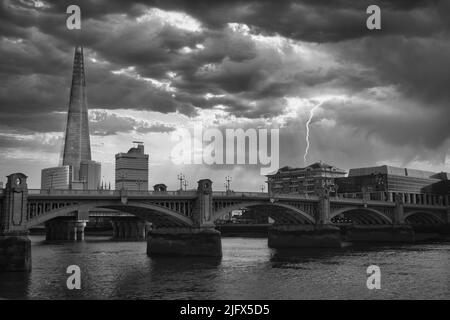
x,y
77,146
77,171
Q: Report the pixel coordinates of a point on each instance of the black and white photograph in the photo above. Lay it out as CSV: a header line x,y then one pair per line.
x,y
236,152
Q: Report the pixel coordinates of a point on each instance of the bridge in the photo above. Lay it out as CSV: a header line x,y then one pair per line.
x,y
182,222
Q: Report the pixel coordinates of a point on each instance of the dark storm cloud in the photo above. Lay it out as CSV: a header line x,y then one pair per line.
x,y
318,21
420,67
248,78
400,125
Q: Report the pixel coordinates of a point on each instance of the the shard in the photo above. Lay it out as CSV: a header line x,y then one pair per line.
x,y
77,147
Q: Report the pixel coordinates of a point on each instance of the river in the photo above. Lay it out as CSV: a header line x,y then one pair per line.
x,y
247,270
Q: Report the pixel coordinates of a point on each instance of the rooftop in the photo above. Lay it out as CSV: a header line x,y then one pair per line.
x,y
313,166
397,171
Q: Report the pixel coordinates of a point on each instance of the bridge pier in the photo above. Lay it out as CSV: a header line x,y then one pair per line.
x,y
129,229
304,236
15,246
15,253
204,242
201,239
320,235
65,230
430,232
397,233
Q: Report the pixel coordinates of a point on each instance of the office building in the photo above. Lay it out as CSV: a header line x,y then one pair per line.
x,y
132,169
393,179
288,180
56,178
90,174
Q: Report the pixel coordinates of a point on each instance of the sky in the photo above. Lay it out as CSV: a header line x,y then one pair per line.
x,y
154,68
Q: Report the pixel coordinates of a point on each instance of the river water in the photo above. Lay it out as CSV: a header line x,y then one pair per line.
x,y
247,270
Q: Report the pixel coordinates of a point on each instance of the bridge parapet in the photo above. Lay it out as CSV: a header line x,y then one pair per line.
x,y
109,193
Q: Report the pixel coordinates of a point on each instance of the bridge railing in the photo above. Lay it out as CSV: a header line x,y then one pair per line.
x,y
117,193
407,198
240,194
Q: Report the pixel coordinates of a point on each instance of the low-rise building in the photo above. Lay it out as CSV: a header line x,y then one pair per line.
x,y
307,180
387,181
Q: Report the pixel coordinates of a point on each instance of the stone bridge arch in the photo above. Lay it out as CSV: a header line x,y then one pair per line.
x,y
422,217
362,215
158,215
284,213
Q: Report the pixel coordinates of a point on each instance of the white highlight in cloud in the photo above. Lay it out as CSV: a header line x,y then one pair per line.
x,y
131,72
176,19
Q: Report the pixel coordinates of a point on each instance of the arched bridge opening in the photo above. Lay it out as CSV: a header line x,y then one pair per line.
x,y
423,218
159,216
280,213
359,216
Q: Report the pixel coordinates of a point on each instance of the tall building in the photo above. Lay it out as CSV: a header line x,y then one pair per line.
x,y
132,169
56,178
288,180
90,174
77,145
394,179
84,173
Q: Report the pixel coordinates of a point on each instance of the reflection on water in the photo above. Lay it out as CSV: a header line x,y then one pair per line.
x,y
247,270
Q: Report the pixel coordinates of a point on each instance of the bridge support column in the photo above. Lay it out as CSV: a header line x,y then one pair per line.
x,y
79,229
15,246
398,232
304,236
15,252
128,229
65,230
446,228
199,240
322,234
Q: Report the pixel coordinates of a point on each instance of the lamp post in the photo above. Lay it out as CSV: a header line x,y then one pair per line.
x,y
181,177
227,183
185,184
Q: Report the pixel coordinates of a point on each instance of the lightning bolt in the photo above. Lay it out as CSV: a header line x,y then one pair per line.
x,y
311,115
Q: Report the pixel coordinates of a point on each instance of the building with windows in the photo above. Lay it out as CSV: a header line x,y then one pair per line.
x,y
56,178
393,179
387,181
132,169
288,180
90,174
